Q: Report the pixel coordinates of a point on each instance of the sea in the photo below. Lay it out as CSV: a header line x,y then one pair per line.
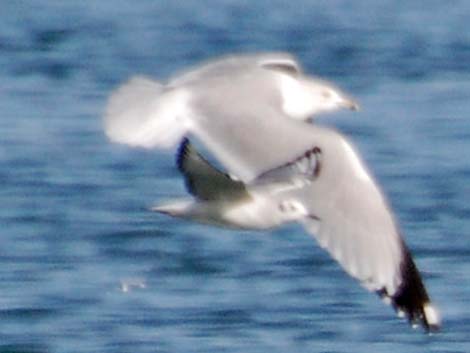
x,y
86,267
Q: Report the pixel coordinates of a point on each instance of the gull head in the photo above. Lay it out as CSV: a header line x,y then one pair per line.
x,y
305,97
328,98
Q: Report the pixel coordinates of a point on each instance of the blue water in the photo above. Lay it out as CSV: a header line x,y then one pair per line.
x,y
85,267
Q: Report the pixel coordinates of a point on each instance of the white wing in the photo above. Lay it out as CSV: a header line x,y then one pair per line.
x,y
347,212
351,219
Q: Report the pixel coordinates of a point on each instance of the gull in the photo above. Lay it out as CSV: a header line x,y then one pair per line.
x,y
223,201
279,168
327,189
146,113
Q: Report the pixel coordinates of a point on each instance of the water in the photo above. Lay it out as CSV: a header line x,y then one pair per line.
x,y
84,267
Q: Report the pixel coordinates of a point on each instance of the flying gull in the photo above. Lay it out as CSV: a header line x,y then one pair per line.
x,y
249,112
264,87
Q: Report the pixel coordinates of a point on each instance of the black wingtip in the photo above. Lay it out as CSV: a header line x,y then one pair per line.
x,y
411,299
182,153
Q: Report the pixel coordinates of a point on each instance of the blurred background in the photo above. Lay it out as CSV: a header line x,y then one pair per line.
x,y
85,267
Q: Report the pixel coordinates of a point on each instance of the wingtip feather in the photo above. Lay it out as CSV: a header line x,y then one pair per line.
x,y
182,153
411,299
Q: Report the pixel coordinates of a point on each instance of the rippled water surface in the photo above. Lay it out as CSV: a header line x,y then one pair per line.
x,y
85,267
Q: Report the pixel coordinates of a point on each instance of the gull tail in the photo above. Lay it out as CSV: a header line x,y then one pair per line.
x,y
197,211
178,208
143,113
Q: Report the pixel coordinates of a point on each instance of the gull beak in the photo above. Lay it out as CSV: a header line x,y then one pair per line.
x,y
351,104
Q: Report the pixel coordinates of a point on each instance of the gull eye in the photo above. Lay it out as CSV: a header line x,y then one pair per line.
x,y
326,94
